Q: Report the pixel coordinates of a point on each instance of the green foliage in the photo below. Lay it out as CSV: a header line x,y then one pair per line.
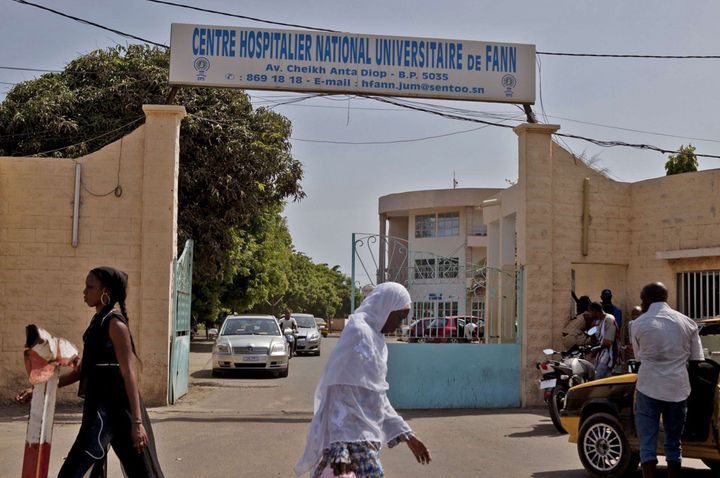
x,y
684,161
235,162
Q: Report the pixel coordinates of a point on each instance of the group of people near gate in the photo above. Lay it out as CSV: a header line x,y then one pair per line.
x,y
353,417
664,342
612,335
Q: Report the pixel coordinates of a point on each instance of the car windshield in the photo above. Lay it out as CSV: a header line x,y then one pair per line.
x,y
305,321
250,327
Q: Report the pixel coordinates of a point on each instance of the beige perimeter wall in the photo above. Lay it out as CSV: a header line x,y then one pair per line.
x,y
629,224
42,276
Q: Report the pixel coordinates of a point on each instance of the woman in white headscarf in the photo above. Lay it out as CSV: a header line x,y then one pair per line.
x,y
353,416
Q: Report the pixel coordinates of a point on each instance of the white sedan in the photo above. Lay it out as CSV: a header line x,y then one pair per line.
x,y
251,342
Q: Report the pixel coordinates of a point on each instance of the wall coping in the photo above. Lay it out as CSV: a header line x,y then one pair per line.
x,y
537,128
688,253
164,110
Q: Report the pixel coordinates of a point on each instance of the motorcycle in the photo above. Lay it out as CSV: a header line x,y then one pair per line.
x,y
559,376
291,337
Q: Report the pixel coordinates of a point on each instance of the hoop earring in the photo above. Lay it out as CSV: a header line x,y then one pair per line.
x,y
105,298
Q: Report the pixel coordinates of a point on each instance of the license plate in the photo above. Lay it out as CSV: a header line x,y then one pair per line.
x,y
548,383
301,342
251,358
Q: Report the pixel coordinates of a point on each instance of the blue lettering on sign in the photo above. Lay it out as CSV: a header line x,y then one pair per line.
x,y
501,58
213,42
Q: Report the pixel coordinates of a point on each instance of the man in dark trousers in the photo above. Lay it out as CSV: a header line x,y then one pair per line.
x,y
664,341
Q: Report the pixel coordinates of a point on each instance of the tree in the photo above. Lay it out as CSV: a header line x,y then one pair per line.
x,y
684,161
235,162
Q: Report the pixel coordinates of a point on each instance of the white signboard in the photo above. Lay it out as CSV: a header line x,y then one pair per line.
x,y
295,60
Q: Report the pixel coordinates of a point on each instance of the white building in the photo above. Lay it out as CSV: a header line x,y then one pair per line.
x,y
436,244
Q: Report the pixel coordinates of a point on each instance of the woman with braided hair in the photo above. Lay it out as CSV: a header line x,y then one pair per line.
x,y
113,413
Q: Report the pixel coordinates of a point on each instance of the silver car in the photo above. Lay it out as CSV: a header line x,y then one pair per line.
x,y
308,338
251,342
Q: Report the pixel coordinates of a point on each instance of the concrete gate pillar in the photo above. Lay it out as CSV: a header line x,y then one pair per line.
x,y
534,237
158,246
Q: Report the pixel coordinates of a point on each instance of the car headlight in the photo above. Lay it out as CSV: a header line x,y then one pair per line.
x,y
313,336
278,349
223,348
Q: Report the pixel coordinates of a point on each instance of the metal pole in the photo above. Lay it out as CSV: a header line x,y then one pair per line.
x,y
352,276
36,460
76,205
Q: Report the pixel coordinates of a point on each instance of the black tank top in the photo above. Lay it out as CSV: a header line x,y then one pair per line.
x,y
100,373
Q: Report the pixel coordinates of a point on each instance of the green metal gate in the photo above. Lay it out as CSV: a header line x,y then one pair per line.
x,y
180,341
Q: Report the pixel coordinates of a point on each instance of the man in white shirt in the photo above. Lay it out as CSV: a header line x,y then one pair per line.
x,y
664,341
606,335
289,322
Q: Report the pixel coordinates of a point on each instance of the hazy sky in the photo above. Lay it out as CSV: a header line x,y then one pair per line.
x,y
676,98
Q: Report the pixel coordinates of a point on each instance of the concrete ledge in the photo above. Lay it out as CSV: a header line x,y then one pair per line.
x,y
688,253
423,376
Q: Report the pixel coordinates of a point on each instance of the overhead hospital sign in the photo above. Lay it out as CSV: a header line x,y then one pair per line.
x,y
347,63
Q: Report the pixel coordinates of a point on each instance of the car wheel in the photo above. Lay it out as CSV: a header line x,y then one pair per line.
x,y
454,340
421,340
714,465
555,404
603,448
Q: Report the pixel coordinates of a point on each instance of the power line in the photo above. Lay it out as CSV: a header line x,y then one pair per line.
x,y
610,55
597,142
88,22
17,68
91,139
245,17
411,140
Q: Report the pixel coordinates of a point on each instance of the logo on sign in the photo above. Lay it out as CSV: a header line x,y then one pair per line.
x,y
230,76
201,65
509,82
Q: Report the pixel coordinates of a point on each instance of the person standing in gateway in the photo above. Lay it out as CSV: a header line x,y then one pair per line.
x,y
664,341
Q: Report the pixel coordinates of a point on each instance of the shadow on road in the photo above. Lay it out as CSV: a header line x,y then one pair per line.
x,y
226,419
236,374
201,346
538,430
464,412
661,473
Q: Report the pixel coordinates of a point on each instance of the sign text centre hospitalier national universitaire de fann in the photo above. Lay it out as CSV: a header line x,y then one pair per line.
x,y
348,63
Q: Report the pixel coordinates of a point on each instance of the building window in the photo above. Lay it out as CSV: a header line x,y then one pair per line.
x,y
699,294
477,308
447,309
425,226
448,224
424,268
423,310
448,267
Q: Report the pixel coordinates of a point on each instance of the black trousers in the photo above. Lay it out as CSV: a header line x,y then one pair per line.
x,y
107,423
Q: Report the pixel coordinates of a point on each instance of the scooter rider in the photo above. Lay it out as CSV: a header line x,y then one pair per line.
x,y
288,322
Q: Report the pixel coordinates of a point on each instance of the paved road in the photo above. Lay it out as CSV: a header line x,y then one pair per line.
x,y
249,426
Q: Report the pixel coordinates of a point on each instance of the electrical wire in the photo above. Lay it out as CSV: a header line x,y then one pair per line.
x,y
90,139
245,17
610,55
597,142
88,22
411,140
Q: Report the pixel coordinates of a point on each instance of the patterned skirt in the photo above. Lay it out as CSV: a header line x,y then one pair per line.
x,y
365,457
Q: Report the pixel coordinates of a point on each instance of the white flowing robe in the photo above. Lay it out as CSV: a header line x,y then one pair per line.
x,y
351,403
